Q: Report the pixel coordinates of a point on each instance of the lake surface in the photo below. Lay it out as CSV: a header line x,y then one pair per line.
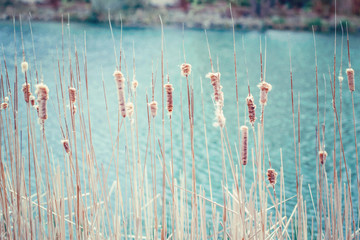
x,y
147,46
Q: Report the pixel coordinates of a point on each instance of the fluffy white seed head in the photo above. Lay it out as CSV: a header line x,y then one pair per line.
x,y
129,109
24,66
220,119
42,92
134,84
6,99
264,89
119,80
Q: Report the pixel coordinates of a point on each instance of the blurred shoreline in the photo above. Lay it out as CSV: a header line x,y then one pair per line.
x,y
206,16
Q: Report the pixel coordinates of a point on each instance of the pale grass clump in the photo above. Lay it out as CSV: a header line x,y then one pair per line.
x,y
65,143
153,108
251,108
119,80
24,66
351,81
42,92
264,89
169,97
26,89
185,69
322,156
271,174
244,144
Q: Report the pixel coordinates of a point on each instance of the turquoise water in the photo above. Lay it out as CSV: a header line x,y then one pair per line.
x,y
147,45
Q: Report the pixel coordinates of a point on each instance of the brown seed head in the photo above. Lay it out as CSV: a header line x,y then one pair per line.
x,y
244,144
42,92
169,96
66,145
351,81
271,174
72,95
26,90
4,105
134,84
119,80
153,108
322,156
32,100
251,108
185,69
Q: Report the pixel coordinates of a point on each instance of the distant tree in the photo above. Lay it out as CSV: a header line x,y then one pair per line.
x,y
101,6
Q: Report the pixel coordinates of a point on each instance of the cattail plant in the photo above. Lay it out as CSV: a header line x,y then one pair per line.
x,y
220,119
153,108
244,144
271,174
215,82
32,100
185,69
264,89
119,80
322,156
4,105
72,97
134,85
351,81
129,109
251,108
66,145
42,92
169,96
26,89
24,66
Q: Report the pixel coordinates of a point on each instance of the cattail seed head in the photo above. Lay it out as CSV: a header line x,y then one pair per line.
x,y
4,105
271,174
119,80
322,156
42,92
134,84
169,89
251,108
32,100
215,82
24,66
66,145
129,109
351,82
220,119
341,79
244,144
26,90
185,69
264,89
72,95
6,99
153,108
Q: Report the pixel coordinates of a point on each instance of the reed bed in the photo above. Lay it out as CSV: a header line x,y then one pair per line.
x,y
41,200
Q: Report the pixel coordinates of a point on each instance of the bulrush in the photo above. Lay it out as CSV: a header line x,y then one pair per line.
x,y
169,96
264,89
24,66
66,145
72,95
129,109
219,117
251,108
32,100
185,69
42,92
351,81
244,144
271,174
26,89
4,105
134,84
119,80
322,156
153,108
215,82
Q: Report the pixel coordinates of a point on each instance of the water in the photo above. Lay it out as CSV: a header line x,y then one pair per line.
x,y
147,45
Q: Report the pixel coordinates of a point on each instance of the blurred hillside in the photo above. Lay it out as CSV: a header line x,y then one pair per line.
x,y
249,14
